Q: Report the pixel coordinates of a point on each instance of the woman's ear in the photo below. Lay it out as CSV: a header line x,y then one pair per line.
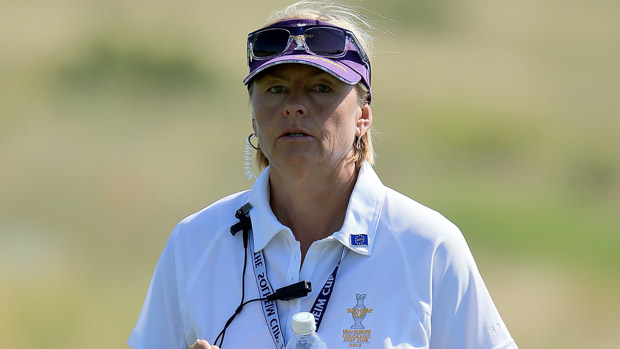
x,y
364,121
254,125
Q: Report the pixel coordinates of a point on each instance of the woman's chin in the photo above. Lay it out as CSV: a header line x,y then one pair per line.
x,y
295,160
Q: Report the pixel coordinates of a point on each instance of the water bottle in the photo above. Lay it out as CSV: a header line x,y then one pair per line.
x,y
305,336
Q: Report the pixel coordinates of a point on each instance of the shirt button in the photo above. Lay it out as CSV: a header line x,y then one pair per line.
x,y
294,302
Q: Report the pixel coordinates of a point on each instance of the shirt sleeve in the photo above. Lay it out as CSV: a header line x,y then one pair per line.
x,y
462,312
160,324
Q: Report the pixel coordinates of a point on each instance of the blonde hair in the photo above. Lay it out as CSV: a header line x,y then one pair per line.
x,y
345,17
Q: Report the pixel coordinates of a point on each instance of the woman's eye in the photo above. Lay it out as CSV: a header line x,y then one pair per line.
x,y
322,88
276,89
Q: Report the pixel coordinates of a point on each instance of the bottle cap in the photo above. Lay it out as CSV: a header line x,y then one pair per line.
x,y
303,323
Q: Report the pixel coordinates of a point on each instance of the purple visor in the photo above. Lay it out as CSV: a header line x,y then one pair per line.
x,y
312,42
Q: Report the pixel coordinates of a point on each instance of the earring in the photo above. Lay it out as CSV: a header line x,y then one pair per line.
x,y
253,135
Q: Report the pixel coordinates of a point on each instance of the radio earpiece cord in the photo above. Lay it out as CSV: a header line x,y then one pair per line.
x,y
286,293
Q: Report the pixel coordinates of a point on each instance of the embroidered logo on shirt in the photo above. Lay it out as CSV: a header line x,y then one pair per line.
x,y
359,239
357,334
494,327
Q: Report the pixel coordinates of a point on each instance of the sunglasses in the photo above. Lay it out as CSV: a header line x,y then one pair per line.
x,y
317,40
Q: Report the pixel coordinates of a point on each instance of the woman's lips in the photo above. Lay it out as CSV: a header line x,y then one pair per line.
x,y
295,133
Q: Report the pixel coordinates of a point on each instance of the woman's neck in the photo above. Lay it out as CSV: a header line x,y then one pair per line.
x,y
312,203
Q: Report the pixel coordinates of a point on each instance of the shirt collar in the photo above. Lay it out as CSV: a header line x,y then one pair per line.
x,y
360,223
265,225
359,230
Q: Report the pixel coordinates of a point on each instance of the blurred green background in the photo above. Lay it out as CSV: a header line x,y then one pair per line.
x,y
119,118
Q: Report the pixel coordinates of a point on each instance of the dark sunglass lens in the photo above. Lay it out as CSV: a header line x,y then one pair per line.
x,y
270,42
325,41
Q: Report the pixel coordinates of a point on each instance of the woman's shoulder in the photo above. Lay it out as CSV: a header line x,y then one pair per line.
x,y
412,217
423,230
216,217
226,206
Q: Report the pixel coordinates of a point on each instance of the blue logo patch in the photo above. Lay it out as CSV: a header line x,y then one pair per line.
x,y
359,239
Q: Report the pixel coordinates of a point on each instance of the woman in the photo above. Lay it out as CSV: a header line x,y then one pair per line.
x,y
387,271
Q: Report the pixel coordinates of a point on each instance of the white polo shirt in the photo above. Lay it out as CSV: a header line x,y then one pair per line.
x,y
407,279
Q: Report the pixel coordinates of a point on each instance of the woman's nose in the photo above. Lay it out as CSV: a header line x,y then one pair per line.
x,y
295,105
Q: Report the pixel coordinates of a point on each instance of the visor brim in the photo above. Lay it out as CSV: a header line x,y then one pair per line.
x,y
338,68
